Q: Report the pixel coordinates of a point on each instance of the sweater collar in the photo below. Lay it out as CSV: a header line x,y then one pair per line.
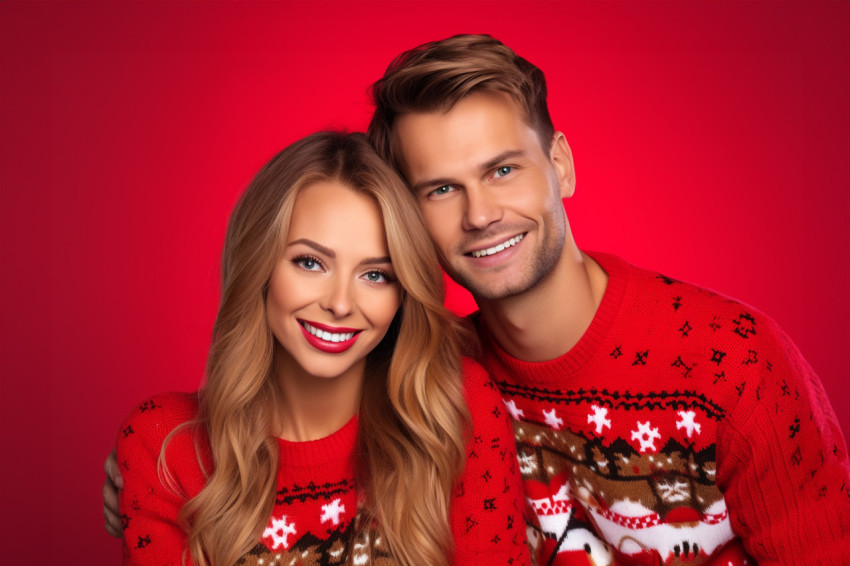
x,y
588,345
337,447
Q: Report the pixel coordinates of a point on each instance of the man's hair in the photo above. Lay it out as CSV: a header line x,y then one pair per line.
x,y
435,76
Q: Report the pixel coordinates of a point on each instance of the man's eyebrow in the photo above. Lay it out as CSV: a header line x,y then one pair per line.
x,y
504,156
332,254
484,167
428,183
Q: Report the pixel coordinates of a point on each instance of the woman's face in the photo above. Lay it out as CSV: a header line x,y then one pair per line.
x,y
333,293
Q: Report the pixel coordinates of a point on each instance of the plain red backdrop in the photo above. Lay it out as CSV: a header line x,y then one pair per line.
x,y
711,140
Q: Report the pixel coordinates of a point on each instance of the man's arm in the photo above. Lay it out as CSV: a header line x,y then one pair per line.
x,y
783,464
111,485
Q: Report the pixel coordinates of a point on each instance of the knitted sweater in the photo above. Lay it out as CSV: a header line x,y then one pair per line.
x,y
316,502
683,428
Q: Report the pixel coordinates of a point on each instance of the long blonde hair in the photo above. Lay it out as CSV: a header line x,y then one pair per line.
x,y
412,416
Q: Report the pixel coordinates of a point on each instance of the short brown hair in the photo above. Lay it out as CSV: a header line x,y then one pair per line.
x,y
436,75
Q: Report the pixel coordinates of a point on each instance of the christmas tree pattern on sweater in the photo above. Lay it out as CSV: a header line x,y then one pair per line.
x,y
683,428
315,518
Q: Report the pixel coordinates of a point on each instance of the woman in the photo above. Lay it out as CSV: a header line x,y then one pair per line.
x,y
333,424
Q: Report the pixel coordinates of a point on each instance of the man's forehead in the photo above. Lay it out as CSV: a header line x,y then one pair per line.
x,y
477,128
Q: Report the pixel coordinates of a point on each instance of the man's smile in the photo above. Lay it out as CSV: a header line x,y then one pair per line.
x,y
497,248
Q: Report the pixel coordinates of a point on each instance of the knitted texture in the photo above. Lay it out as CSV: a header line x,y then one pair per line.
x,y
316,502
683,428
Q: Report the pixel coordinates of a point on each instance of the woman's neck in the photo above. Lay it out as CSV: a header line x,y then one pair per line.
x,y
316,407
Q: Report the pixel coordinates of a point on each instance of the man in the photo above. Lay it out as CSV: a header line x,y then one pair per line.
x,y
656,422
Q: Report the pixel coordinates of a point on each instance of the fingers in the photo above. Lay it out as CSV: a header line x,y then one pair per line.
x,y
113,472
111,485
113,520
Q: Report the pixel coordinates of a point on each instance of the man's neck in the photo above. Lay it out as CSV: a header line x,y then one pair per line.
x,y
549,319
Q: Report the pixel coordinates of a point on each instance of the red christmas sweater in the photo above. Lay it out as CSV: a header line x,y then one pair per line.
x,y
683,428
316,500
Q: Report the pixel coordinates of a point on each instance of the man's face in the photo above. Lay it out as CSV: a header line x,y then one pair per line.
x,y
490,195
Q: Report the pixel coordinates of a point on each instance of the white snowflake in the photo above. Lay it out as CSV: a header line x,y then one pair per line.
x,y
553,420
688,422
646,435
515,413
598,418
332,511
279,531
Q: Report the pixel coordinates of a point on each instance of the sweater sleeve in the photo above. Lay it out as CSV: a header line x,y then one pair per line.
x,y
149,504
486,512
783,465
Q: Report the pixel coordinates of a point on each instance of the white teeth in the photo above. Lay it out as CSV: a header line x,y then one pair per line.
x,y
327,336
499,248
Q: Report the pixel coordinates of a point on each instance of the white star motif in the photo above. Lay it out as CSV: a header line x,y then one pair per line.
x,y
646,435
332,511
279,531
598,418
553,420
515,413
688,422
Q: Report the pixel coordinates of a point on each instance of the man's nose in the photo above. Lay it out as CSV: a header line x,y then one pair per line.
x,y
482,208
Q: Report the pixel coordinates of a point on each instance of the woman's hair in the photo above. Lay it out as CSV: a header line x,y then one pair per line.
x,y
434,76
412,416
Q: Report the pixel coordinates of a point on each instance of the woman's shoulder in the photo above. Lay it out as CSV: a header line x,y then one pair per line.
x,y
163,420
151,420
479,390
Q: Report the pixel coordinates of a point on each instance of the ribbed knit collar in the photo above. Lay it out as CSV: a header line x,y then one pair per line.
x,y
575,359
336,448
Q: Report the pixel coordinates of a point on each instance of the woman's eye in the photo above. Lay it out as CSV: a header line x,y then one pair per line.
x,y
308,263
377,277
503,170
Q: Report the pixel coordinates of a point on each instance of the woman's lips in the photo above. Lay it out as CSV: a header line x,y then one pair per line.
x,y
328,339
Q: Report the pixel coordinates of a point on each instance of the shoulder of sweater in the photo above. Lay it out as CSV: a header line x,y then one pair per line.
x,y
154,418
479,391
741,319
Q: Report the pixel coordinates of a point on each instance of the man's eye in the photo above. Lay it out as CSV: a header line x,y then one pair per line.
x,y
503,170
442,190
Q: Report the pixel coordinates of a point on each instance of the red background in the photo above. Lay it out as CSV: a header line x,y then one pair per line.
x,y
711,140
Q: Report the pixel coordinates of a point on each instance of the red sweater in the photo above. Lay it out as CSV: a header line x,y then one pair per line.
x,y
316,499
683,428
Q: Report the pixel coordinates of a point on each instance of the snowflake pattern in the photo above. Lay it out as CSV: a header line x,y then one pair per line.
x,y
552,419
332,511
516,414
646,435
598,418
279,532
688,422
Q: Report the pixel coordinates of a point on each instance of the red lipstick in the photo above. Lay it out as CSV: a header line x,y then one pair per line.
x,y
328,339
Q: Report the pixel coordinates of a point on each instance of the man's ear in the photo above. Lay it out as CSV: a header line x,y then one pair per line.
x,y
562,158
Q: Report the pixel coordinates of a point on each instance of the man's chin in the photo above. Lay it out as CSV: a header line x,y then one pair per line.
x,y
493,290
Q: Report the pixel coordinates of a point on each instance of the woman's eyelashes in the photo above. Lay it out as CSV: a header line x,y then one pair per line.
x,y
308,262
378,276
312,263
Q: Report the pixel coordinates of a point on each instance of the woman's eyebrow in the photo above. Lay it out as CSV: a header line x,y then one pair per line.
x,y
332,254
315,245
